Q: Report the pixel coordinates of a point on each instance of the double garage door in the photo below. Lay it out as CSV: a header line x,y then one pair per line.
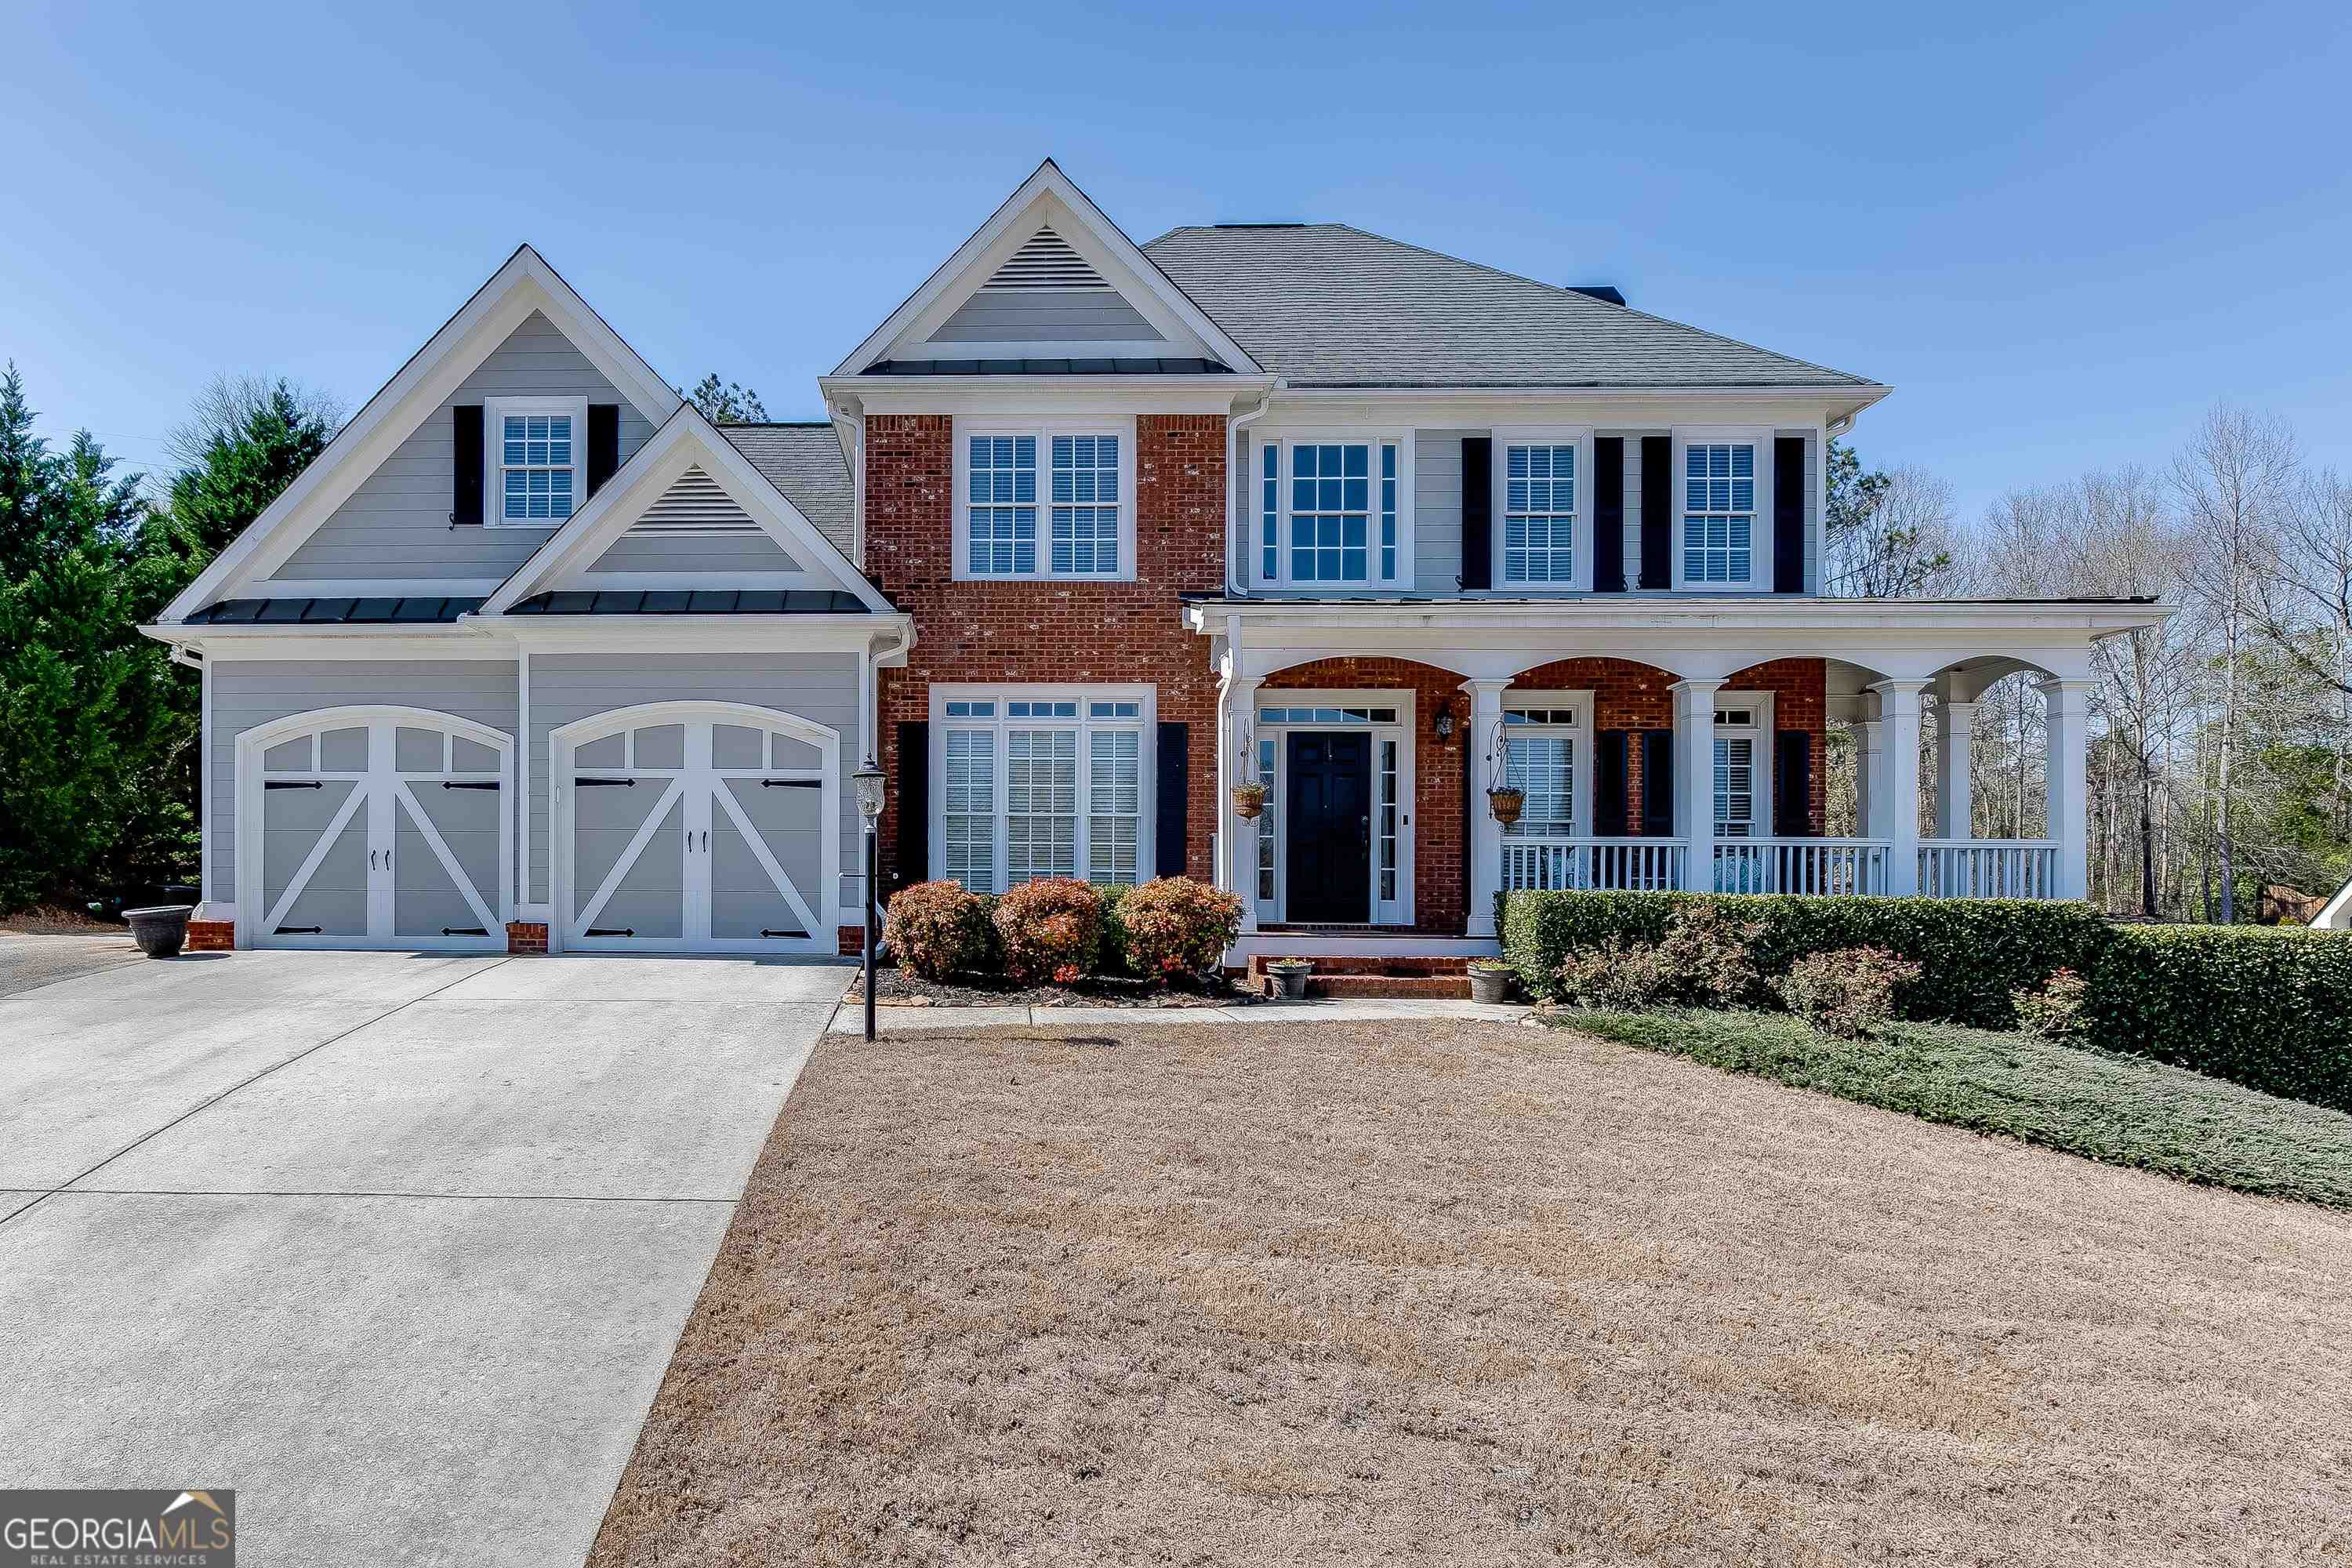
x,y
675,828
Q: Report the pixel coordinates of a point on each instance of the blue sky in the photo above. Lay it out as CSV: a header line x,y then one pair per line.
x,y
2059,232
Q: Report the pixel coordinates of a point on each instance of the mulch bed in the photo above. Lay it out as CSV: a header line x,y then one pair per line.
x,y
897,988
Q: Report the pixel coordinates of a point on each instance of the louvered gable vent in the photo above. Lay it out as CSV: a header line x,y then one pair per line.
x,y
695,508
1045,263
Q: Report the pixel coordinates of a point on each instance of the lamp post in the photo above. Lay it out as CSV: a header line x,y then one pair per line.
x,y
868,779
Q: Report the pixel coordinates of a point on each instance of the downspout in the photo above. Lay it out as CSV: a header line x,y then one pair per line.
x,y
1237,486
180,655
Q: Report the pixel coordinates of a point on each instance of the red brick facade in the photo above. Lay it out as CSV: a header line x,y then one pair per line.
x,y
211,936
1083,633
525,936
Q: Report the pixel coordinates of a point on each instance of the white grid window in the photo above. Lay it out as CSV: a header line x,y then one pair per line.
x,y
535,469
1388,512
1734,774
1544,767
1266,823
1040,787
1388,866
1003,483
1085,505
1719,511
1538,513
1332,512
1270,514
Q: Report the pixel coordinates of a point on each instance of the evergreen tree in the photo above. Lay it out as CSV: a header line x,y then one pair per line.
x,y
730,404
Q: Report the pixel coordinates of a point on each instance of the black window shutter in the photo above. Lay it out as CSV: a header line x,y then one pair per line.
x,y
1609,514
1477,511
1789,514
1608,787
465,465
604,443
1657,511
1657,784
1792,785
914,803
1175,775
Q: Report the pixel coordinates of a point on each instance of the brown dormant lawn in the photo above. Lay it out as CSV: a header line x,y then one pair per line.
x,y
1463,1292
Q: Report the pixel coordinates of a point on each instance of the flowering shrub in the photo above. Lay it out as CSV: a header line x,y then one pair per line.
x,y
2054,1012
1849,993
937,928
1048,930
1703,957
1178,927
1623,976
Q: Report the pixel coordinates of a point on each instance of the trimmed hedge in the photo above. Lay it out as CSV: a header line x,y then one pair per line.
x,y
2269,1008
1972,952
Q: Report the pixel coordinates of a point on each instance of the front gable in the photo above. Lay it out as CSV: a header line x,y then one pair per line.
x,y
1049,278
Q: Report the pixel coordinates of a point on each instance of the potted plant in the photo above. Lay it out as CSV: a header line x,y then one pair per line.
x,y
1506,803
1286,977
1490,980
162,930
1249,799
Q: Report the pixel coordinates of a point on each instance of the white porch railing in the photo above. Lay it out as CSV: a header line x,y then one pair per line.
x,y
1592,865
1822,866
1988,867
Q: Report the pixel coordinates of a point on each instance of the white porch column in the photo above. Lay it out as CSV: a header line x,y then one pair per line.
x,y
1486,834
1867,745
1695,780
1956,728
1237,842
1895,793
2067,712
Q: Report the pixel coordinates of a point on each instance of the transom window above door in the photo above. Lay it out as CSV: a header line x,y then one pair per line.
x,y
534,455
1332,511
1044,503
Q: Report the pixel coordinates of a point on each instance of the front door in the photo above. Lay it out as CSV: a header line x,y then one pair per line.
x,y
1329,813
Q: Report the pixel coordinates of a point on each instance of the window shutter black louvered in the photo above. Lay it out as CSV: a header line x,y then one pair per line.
x,y
1657,511
604,443
1610,786
1657,784
1477,511
913,805
1789,514
1174,767
1792,785
1609,514
465,466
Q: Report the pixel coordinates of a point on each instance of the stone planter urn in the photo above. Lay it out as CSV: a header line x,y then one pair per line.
x,y
162,930
1288,978
1490,985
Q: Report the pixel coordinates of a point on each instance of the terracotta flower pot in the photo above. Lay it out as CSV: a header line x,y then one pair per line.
x,y
161,931
1506,805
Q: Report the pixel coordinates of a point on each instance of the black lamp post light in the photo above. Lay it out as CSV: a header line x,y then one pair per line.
x,y
868,779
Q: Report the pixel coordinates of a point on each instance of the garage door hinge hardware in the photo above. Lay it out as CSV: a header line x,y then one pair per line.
x,y
792,783
463,930
608,930
588,784
470,783
765,932
293,784
301,931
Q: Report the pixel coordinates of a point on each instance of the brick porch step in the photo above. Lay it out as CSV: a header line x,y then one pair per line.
x,y
1354,987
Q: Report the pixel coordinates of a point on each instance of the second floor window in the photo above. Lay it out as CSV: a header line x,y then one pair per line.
x,y
1045,504
1336,517
1538,513
1719,513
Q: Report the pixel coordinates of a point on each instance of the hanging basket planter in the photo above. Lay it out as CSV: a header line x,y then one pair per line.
x,y
1249,799
1506,805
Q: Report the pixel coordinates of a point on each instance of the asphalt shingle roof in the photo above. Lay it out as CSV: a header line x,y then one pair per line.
x,y
804,462
1327,305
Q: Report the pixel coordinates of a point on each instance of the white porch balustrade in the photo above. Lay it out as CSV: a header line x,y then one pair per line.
x,y
1962,868
1594,865
1825,866
1989,868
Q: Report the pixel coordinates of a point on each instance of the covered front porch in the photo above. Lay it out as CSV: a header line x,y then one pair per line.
x,y
1415,759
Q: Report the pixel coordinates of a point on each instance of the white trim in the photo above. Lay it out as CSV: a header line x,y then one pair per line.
x,y
1045,194
1400,910
523,285
1760,529
2337,913
1583,546
204,827
1284,438
964,430
1145,722
522,804
496,411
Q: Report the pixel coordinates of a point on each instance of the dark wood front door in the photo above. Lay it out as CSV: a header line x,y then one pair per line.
x,y
1328,858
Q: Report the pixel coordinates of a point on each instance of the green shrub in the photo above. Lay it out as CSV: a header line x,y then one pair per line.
x,y
2056,1011
1849,993
1702,957
1048,930
2269,1008
1178,927
937,928
1621,975
1971,951
1110,947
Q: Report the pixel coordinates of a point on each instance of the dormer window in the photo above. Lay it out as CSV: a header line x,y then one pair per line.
x,y
1071,520
536,458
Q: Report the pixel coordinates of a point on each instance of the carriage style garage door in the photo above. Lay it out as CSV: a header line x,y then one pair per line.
x,y
375,827
698,828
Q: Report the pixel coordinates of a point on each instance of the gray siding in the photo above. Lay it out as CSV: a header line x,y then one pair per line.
x,y
635,552
1045,315
1437,509
567,688
246,692
396,524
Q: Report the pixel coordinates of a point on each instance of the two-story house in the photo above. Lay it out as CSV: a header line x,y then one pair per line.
x,y
533,654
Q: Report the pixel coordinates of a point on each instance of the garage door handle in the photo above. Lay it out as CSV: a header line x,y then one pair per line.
x,y
470,783
611,783
792,783
301,931
293,784
463,930
706,841
608,930
766,933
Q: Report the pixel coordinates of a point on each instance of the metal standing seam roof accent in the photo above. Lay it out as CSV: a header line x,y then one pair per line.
x,y
1328,305
335,612
692,602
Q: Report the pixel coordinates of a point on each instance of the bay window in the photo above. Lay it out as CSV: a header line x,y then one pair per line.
x,y
1333,512
1045,502
1034,784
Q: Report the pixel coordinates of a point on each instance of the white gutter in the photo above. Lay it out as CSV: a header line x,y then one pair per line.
x,y
1238,485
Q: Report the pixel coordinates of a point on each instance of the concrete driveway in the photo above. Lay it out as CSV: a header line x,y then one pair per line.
x,y
396,1246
